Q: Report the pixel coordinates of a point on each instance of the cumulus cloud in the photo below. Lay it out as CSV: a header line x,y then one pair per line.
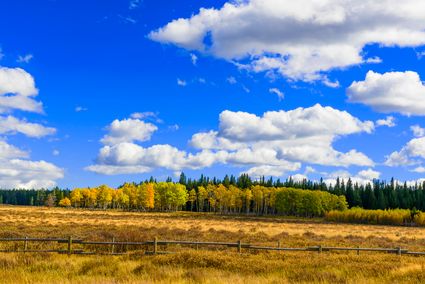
x,y
298,123
415,148
277,92
18,172
17,91
132,158
389,121
362,177
11,125
8,151
273,171
300,40
401,92
273,144
417,130
128,130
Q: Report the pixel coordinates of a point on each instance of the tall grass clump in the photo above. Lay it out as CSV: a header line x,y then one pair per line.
x,y
398,217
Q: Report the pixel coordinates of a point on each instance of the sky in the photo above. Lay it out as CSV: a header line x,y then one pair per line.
x,y
103,92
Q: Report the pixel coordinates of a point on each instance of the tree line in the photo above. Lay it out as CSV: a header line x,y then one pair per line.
x,y
375,195
169,196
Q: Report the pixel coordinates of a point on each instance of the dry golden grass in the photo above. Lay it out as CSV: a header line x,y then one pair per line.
x,y
189,266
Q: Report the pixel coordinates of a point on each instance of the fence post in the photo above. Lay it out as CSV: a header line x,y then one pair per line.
x,y
358,251
70,245
239,246
278,244
25,244
155,245
319,249
399,251
113,246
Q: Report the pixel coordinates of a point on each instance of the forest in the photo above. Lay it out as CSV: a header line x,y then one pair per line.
x,y
230,195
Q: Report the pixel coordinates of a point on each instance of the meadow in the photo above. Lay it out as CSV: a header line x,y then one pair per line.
x,y
205,266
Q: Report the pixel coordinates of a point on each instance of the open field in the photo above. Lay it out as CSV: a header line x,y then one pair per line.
x,y
207,266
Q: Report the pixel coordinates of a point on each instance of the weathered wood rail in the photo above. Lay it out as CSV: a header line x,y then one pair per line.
x,y
154,245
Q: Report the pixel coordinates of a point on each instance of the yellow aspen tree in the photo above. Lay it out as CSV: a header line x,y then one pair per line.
x,y
65,202
150,196
76,197
192,198
248,198
92,199
202,196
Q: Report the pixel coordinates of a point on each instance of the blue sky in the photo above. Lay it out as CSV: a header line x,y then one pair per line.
x,y
167,83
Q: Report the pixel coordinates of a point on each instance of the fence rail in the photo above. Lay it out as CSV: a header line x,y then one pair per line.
x,y
113,245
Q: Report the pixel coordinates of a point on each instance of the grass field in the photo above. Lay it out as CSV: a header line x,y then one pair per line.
x,y
189,266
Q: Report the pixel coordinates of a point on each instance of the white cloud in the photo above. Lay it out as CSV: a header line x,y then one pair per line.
x,y
362,177
277,92
267,171
420,170
174,127
128,130
127,19
15,172
17,89
193,58
415,148
298,39
1,54
297,123
134,4
273,144
26,174
181,83
330,84
420,54
246,89
374,60
132,158
11,125
389,121
117,170
55,153
80,109
417,130
231,80
369,174
212,141
147,115
401,92
25,59
309,170
8,151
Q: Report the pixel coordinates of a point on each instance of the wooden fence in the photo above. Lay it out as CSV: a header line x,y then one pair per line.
x,y
74,246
